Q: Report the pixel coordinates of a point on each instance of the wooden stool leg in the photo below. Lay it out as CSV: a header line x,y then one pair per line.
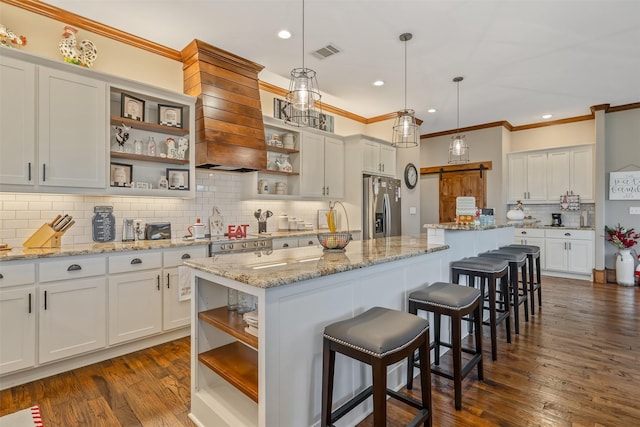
x,y
539,281
379,393
456,340
411,360
532,291
523,272
504,284
513,279
425,378
491,284
436,338
328,364
478,337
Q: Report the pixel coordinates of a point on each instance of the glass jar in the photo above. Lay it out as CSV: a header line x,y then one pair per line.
x,y
151,147
137,146
232,299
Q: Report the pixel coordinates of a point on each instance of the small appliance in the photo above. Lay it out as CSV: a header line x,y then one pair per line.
x,y
556,220
128,233
158,230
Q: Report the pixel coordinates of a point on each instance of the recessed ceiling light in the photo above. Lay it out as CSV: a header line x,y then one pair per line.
x,y
378,83
431,110
547,116
284,34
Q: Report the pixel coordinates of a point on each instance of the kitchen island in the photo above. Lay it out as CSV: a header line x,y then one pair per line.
x,y
274,379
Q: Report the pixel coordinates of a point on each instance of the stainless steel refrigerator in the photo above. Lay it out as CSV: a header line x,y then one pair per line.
x,y
381,212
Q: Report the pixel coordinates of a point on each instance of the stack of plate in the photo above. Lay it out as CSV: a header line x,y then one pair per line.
x,y
281,188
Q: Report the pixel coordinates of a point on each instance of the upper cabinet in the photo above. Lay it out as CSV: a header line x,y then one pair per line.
x,y
378,157
61,124
543,176
322,166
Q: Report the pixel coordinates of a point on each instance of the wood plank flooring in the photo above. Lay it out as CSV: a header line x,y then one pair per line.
x,y
576,363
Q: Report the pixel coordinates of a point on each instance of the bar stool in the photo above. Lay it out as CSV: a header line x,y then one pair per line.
x,y
489,271
533,257
378,337
516,260
454,301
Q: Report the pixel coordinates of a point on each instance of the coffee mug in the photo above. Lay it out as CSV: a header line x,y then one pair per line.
x,y
196,231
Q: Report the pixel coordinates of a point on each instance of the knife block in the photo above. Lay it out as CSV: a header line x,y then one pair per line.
x,y
44,237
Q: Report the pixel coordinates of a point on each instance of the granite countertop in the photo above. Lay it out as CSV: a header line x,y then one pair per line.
x,y
96,248
455,226
275,268
551,227
296,233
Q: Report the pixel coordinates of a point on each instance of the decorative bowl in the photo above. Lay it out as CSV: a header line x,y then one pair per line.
x,y
334,242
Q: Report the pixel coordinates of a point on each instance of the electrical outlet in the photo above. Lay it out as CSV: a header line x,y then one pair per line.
x,y
412,210
634,210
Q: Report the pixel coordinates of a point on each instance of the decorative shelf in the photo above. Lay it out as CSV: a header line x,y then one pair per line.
x,y
230,322
237,364
132,156
153,127
281,150
275,172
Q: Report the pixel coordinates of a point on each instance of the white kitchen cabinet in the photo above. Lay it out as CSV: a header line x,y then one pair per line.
x,y
17,316
527,177
72,123
322,166
533,237
285,243
17,121
176,313
569,251
378,157
570,171
135,295
72,310
582,172
308,241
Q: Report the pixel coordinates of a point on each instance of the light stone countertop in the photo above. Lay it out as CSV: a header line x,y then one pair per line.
x,y
281,267
281,234
455,226
96,248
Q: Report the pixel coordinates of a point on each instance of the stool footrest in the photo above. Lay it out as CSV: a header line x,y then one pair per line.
x,y
437,370
352,403
444,344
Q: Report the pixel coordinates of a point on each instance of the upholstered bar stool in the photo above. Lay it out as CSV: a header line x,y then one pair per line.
x,y
516,260
533,260
378,337
490,272
455,301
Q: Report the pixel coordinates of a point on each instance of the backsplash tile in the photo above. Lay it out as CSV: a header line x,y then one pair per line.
x,y
22,213
569,218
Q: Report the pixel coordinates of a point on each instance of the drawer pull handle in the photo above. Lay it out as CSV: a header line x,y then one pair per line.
x,y
1,276
186,256
523,232
168,277
567,234
158,282
286,245
45,300
74,267
310,242
29,302
136,261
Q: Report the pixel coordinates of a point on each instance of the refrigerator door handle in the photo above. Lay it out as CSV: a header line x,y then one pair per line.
x,y
386,209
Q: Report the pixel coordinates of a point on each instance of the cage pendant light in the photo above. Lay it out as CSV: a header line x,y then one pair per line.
x,y
304,108
405,129
458,148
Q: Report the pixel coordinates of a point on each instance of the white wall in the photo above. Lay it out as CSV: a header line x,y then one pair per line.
x,y
577,133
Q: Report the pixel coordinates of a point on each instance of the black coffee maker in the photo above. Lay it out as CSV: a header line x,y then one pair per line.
x,y
556,220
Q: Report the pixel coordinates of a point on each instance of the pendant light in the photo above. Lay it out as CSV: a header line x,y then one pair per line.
x,y
405,129
458,148
304,108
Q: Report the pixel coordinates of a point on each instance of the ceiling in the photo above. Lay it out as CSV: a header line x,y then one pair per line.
x,y
519,58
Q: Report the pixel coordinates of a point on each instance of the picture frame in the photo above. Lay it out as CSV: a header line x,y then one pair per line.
x,y
170,115
121,175
178,179
132,107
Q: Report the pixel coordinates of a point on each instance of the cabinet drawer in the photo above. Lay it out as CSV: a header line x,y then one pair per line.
x,y
308,241
174,257
71,268
285,243
13,274
529,232
570,234
134,261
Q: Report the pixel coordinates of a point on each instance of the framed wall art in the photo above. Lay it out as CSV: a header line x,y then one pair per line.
x,y
121,175
132,108
624,185
178,179
170,115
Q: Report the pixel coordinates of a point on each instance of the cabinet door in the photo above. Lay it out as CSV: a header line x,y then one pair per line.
x,y
334,167
582,173
371,156
72,318
17,329
558,172
135,306
539,242
555,254
537,177
312,168
517,178
17,121
580,256
72,130
388,159
175,313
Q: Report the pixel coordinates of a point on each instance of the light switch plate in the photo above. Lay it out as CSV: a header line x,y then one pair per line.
x,y
634,210
412,210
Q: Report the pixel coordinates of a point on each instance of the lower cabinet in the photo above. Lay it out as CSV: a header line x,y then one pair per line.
x,y
285,243
17,328
533,237
569,251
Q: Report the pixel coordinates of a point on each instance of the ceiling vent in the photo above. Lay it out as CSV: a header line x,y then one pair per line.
x,y
327,51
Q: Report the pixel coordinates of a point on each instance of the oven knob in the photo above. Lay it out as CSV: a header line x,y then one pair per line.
x,y
230,246
255,244
244,245
262,243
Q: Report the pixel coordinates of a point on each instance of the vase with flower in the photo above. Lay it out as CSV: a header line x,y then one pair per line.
x,y
623,239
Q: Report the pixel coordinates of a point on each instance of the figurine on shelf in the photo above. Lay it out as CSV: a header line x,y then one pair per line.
x,y
84,55
171,148
122,135
183,146
10,39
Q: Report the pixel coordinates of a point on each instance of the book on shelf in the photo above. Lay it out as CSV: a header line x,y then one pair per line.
x,y
250,329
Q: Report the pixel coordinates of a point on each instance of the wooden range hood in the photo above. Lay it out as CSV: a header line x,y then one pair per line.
x,y
229,132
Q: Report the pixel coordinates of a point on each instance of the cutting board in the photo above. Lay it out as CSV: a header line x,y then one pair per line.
x,y
216,223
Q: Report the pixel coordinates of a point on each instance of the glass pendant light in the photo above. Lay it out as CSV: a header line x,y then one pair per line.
x,y
304,108
405,129
458,148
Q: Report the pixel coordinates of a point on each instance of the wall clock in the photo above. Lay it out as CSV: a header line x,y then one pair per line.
x,y
410,175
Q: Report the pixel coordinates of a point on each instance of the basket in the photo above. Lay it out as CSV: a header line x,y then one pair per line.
x,y
336,242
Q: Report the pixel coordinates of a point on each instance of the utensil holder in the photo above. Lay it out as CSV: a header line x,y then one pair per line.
x,y
44,237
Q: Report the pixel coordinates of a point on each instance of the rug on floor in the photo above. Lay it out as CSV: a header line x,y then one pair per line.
x,y
29,417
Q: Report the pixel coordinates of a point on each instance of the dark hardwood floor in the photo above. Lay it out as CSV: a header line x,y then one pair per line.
x,y
576,363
